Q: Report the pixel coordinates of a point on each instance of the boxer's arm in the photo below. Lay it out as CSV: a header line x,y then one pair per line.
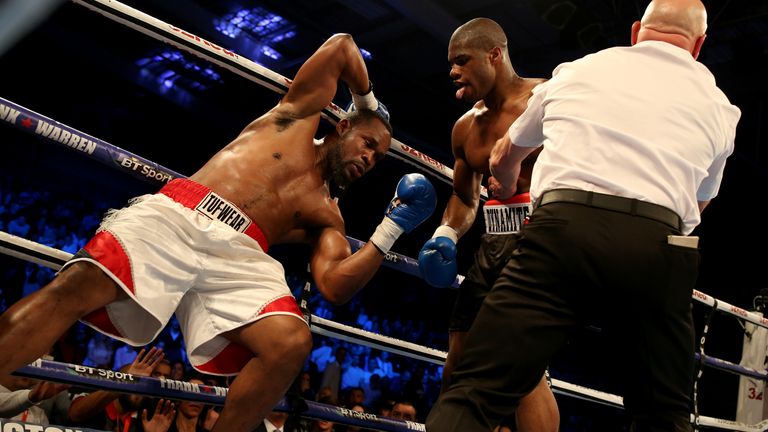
x,y
461,209
86,407
338,273
315,83
437,258
44,390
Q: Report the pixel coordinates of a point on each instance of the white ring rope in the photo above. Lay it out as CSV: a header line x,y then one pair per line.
x,y
53,258
730,309
28,250
336,330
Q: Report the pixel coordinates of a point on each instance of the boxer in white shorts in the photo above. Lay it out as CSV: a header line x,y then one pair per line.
x,y
198,247
145,236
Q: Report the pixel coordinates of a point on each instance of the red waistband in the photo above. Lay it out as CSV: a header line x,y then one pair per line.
x,y
198,197
522,198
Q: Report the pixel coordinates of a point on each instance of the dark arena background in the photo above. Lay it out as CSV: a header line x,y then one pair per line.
x,y
171,107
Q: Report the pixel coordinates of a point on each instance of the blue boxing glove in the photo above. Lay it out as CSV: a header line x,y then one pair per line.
x,y
368,101
437,258
413,203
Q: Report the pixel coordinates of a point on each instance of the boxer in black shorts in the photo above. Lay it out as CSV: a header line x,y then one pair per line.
x,y
481,68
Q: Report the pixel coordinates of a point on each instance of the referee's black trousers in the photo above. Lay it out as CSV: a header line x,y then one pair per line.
x,y
579,265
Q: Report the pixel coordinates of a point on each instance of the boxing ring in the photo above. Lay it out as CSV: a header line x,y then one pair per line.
x,y
52,131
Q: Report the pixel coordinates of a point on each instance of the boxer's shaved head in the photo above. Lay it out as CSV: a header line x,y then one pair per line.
x,y
481,33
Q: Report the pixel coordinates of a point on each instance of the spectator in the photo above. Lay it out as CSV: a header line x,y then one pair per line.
x,y
354,375
303,386
33,401
124,355
322,425
18,226
325,393
107,410
322,355
163,369
333,372
100,351
363,320
372,389
353,396
70,347
173,342
403,410
357,408
37,277
178,370
274,422
384,365
188,415
384,407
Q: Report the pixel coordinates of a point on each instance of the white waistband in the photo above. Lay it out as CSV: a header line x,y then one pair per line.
x,y
505,218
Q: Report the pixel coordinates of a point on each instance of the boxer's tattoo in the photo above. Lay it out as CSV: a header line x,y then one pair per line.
x,y
297,215
277,155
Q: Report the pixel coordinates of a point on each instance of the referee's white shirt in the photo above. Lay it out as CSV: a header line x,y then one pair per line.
x,y
645,122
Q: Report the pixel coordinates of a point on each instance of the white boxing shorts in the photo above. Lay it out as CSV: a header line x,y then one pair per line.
x,y
189,251
507,216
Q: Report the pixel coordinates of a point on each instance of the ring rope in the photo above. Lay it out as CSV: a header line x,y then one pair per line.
x,y
179,390
322,326
730,309
31,251
724,365
45,127
248,69
53,258
336,330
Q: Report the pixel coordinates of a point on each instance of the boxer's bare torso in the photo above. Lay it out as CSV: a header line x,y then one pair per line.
x,y
278,176
477,130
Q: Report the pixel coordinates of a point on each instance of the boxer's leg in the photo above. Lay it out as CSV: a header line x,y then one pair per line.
x,y
538,411
280,344
31,326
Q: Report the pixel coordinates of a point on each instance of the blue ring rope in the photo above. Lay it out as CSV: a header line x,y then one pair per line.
x,y
137,166
103,379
